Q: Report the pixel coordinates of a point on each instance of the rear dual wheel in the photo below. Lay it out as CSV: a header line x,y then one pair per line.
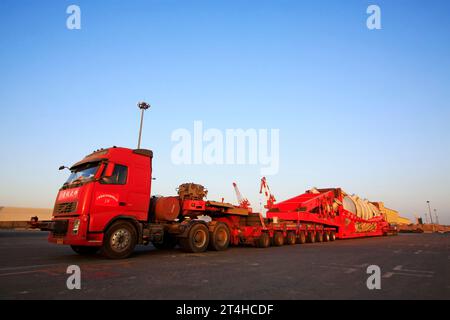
x,y
332,236
301,238
319,236
326,236
263,241
278,239
219,238
197,239
311,238
291,239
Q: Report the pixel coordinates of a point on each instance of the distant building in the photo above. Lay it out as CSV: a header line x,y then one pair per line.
x,y
391,216
24,214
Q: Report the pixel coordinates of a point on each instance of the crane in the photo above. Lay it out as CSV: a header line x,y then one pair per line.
x,y
270,198
243,202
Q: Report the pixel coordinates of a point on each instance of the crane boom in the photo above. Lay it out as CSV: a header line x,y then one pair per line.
x,y
243,202
264,189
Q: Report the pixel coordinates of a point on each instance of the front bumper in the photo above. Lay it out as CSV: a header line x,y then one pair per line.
x,y
70,231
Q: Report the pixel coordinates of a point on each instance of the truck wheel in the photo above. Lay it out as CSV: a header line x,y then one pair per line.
x,y
290,238
319,236
85,250
332,236
326,236
263,240
301,238
278,239
119,241
311,237
197,239
169,242
219,239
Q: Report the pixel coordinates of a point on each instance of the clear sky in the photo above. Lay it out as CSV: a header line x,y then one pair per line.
x,y
366,110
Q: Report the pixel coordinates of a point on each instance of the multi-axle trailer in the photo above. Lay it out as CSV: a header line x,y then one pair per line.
x,y
106,205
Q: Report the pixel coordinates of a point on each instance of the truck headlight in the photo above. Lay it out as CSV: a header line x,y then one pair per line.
x,y
76,225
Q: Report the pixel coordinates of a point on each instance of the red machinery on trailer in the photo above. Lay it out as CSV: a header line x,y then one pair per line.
x,y
106,205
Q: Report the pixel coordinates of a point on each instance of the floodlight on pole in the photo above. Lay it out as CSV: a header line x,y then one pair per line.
x,y
143,106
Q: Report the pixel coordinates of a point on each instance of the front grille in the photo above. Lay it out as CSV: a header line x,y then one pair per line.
x,y
60,227
65,207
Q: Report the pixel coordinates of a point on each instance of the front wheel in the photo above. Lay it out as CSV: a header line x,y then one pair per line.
x,y
85,250
119,241
197,239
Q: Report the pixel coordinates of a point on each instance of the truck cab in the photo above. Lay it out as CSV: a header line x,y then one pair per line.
x,y
108,185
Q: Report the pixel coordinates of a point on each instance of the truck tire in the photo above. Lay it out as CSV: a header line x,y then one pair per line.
x,y
119,240
278,239
219,238
263,240
85,250
311,237
301,238
319,236
332,236
290,238
326,236
197,239
169,242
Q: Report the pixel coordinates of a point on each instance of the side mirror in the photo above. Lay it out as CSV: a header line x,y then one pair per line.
x,y
109,170
62,168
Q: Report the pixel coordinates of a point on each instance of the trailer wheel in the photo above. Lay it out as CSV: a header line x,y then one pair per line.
x,y
301,238
263,240
278,239
319,236
326,236
85,250
332,236
169,242
311,237
219,239
290,238
197,239
119,241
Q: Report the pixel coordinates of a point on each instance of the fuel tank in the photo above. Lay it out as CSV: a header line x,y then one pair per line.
x,y
165,208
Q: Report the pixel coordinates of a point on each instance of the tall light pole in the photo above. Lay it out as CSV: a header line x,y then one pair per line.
x,y
143,106
436,216
429,210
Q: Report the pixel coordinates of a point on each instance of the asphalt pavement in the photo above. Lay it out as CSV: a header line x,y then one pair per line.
x,y
412,266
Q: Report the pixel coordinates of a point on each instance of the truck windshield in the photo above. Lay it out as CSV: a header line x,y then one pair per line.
x,y
83,172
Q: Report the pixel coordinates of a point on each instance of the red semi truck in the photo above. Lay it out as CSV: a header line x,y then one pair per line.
x,y
106,205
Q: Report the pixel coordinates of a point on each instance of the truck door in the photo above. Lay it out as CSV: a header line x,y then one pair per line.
x,y
110,196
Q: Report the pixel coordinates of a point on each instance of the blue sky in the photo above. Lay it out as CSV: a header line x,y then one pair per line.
x,y
365,110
